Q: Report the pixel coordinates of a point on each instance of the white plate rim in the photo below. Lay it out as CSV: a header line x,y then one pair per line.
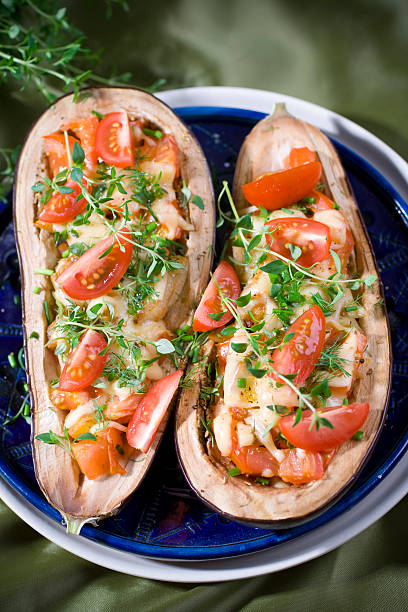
x,y
325,538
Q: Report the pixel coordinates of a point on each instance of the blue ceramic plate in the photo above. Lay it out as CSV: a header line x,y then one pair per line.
x,y
164,519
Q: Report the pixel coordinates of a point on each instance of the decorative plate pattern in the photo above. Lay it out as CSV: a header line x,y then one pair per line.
x,y
164,519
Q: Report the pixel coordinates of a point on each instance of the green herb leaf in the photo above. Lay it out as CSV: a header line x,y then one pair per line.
x,y
325,422
154,133
274,267
256,372
358,435
77,175
262,481
78,155
43,271
370,280
275,290
216,316
245,222
164,346
197,201
85,436
185,193
321,389
298,416
254,242
242,383
295,251
234,471
336,260
239,347
64,189
243,300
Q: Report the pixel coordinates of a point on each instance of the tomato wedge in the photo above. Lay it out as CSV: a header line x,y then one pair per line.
x,y
56,151
276,189
300,467
114,140
346,420
301,353
311,236
227,280
85,129
151,410
93,275
84,363
299,156
63,207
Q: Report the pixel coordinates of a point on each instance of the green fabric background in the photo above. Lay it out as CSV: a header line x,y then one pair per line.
x,y
350,57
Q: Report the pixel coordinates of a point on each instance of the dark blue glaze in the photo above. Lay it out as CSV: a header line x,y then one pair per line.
x,y
164,519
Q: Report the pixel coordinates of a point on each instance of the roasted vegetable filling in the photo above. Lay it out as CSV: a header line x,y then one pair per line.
x,y
113,210
283,309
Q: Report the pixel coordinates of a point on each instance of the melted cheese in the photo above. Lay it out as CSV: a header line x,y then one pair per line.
x,y
335,220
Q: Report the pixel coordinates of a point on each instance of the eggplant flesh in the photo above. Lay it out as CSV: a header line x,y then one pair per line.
x,y
283,505
78,499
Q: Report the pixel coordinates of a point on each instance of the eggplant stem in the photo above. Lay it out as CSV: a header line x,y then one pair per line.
x,y
280,110
73,524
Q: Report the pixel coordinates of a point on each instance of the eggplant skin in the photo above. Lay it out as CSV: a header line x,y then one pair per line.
x,y
239,498
76,498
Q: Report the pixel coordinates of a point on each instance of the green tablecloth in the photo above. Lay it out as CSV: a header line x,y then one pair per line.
x,y
350,57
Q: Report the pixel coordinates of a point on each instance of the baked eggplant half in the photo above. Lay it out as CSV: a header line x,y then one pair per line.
x,y
293,383
114,221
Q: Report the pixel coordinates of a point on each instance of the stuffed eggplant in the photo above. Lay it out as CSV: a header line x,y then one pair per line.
x,y
114,220
293,385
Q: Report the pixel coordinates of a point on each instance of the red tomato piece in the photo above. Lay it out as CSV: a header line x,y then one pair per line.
x,y
92,457
327,456
222,352
345,251
166,152
68,400
255,461
300,467
227,280
123,410
114,443
299,156
56,151
276,189
346,420
84,363
311,236
101,456
63,207
321,201
92,275
114,140
302,352
85,129
151,410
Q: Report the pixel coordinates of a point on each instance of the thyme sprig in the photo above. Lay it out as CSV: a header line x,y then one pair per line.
x,y
40,47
